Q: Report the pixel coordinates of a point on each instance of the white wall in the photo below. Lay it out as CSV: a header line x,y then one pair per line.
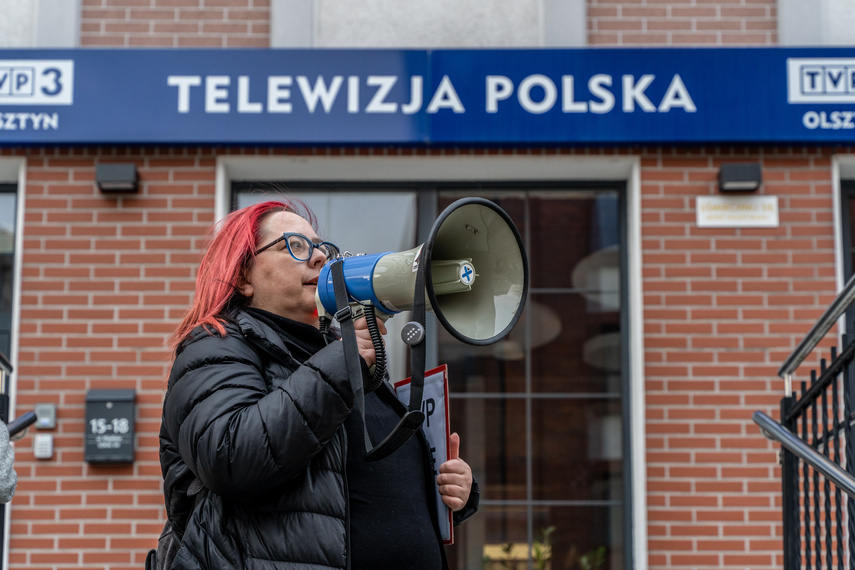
x,y
446,23
16,23
816,22
39,23
840,23
424,24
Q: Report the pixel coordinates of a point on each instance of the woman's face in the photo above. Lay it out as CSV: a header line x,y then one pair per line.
x,y
278,283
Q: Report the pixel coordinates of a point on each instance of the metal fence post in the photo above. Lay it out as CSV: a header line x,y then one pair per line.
x,y
790,493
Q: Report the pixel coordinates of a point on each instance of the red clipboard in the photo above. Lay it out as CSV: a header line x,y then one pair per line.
x,y
436,428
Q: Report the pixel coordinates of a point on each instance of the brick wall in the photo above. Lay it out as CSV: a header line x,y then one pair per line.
x,y
723,308
686,23
105,279
175,23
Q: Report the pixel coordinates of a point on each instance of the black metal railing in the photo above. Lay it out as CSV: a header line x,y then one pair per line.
x,y
815,432
832,471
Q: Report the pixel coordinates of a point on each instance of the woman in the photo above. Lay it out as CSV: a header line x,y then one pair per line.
x,y
263,461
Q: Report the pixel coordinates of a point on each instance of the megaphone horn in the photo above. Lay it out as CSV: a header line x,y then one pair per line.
x,y
476,274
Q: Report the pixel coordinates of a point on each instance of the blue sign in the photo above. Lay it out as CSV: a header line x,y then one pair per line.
x,y
438,97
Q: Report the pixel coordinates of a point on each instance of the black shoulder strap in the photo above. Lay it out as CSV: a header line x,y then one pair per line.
x,y
412,420
344,316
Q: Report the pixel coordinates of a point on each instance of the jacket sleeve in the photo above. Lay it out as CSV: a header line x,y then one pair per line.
x,y
471,506
239,439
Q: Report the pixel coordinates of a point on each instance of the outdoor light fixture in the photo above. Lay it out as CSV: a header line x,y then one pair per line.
x,y
113,177
739,177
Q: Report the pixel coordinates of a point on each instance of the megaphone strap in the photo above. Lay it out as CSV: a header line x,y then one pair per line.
x,y
351,353
406,428
414,417
418,351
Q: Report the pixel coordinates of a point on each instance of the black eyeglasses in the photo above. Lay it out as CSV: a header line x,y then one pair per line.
x,y
301,248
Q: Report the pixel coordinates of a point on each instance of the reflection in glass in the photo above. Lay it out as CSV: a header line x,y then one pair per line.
x,y
540,412
851,211
485,540
567,228
477,369
571,349
493,442
8,209
563,538
585,356
576,449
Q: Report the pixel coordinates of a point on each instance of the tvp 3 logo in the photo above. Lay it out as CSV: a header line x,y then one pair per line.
x,y
36,82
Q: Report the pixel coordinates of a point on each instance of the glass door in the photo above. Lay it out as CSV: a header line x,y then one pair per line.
x,y
542,413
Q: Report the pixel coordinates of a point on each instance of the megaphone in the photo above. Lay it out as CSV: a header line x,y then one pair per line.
x,y
471,273
475,274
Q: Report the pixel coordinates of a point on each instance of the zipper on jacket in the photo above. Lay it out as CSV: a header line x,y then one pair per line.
x,y
346,497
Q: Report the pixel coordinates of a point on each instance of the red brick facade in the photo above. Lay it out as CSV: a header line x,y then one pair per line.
x,y
672,23
175,24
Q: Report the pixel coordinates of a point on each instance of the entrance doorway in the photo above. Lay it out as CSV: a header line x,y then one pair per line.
x,y
542,414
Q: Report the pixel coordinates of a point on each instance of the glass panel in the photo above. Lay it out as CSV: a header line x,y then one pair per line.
x,y
538,413
576,348
481,368
575,243
512,202
565,538
493,443
851,236
578,537
576,449
349,219
483,539
8,211
573,350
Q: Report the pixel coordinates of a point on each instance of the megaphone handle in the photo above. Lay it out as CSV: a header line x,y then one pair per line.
x,y
379,367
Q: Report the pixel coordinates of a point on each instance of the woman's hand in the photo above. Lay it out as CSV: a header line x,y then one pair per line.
x,y
363,339
455,477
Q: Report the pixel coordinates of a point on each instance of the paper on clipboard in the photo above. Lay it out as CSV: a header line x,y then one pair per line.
x,y
436,429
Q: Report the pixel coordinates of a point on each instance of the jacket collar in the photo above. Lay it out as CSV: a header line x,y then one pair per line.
x,y
262,335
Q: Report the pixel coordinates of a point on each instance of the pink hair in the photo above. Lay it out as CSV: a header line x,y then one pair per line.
x,y
230,250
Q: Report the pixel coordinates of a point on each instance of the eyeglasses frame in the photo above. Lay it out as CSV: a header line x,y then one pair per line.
x,y
312,245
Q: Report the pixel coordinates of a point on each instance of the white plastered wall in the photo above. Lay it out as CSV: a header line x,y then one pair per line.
x,y
816,22
426,24
485,168
39,23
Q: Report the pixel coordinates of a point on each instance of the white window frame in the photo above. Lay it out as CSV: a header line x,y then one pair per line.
x,y
842,168
14,171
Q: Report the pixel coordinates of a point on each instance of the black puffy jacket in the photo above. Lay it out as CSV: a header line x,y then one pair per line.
x,y
261,433
253,451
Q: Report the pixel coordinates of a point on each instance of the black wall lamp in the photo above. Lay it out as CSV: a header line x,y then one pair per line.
x,y
115,177
739,177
